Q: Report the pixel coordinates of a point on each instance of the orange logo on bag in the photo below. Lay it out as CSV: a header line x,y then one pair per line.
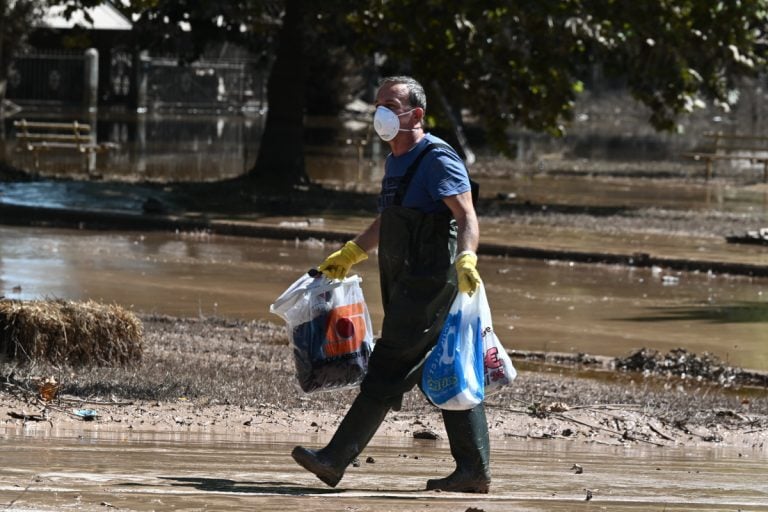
x,y
345,330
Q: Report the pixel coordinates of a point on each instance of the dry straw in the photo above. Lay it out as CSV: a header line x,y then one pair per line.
x,y
67,332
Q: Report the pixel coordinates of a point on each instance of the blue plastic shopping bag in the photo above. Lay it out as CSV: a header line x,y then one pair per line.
x,y
468,361
453,376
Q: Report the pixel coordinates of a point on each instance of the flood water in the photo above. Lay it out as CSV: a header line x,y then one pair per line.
x,y
177,471
182,147
537,305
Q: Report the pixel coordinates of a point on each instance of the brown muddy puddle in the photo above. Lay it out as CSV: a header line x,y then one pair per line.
x,y
537,305
175,471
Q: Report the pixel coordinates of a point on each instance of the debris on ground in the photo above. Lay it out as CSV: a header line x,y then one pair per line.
x,y
683,363
752,236
426,434
86,414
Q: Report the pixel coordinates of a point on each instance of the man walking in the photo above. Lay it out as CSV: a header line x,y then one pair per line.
x,y
427,235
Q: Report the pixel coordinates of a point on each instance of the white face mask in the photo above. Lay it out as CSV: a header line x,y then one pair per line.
x,y
387,123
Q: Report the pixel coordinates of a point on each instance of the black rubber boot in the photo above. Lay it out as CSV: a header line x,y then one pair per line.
x,y
355,431
470,447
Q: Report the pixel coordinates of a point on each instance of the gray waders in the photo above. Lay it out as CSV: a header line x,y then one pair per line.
x,y
418,285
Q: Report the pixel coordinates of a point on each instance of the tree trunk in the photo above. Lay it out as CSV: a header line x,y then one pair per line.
x,y
280,162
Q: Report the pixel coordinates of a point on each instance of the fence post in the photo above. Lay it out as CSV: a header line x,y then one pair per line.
x,y
91,89
143,63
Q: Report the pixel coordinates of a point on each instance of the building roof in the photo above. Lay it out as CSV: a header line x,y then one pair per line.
x,y
104,16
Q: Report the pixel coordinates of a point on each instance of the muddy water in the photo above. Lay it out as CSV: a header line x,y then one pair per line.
x,y
537,305
144,471
214,147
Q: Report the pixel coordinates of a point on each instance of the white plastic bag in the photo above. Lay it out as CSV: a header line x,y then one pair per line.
x,y
468,360
499,371
330,329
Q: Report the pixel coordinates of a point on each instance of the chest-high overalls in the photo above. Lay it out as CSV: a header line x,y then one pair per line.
x,y
418,285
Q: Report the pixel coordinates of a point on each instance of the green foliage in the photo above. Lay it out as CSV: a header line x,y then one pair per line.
x,y
510,62
520,62
524,62
16,18
188,27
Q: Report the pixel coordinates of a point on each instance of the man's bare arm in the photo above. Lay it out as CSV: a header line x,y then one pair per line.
x,y
466,219
369,238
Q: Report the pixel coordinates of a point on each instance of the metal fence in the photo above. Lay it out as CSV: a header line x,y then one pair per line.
x,y
204,84
154,83
47,77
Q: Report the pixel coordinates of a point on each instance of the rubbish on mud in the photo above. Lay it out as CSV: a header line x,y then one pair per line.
x,y
558,407
27,417
86,414
759,236
356,463
670,280
589,495
304,223
682,363
48,389
543,410
370,460
537,410
426,434
577,469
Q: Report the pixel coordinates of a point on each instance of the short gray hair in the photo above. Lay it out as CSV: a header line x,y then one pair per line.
x,y
416,95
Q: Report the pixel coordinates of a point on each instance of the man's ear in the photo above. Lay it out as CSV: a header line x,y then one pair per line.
x,y
419,113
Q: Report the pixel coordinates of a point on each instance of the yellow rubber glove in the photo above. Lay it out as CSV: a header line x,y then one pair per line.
x,y
338,264
466,268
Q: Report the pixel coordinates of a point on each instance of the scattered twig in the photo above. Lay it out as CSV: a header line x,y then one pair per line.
x,y
611,407
27,417
597,441
660,433
94,402
521,436
21,495
615,432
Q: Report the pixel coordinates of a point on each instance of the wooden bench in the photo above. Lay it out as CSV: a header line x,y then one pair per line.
x,y
34,137
750,148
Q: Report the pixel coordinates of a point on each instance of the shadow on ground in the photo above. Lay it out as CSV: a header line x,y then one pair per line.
x,y
743,312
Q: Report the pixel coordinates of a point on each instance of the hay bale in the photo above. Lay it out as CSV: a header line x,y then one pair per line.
x,y
67,332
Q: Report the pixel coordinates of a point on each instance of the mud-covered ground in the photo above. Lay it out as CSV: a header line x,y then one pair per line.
x,y
214,375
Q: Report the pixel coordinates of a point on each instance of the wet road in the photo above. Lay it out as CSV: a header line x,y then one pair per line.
x,y
176,471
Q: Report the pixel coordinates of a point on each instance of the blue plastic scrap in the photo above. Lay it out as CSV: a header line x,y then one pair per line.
x,y
86,414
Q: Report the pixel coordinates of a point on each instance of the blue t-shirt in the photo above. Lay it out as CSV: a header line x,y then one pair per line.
x,y
441,174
